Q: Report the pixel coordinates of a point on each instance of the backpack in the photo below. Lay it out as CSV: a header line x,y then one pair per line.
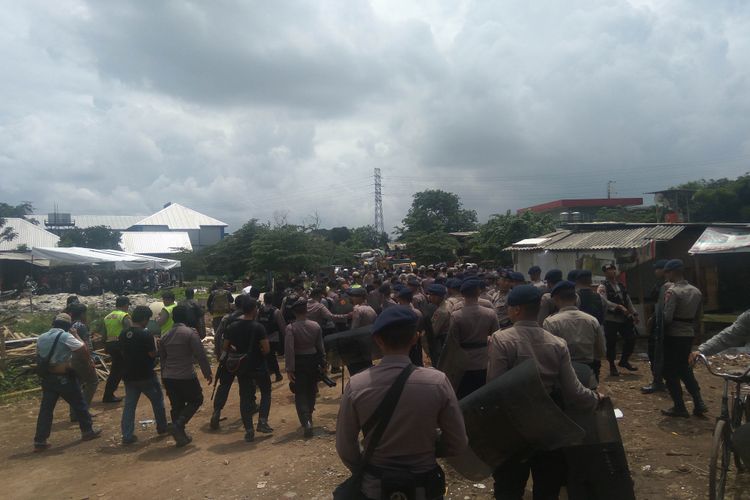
x,y
267,319
220,302
591,303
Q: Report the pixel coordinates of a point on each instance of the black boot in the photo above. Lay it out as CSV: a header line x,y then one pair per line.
x,y
249,435
676,411
263,427
308,427
613,369
626,364
699,406
178,433
653,387
215,418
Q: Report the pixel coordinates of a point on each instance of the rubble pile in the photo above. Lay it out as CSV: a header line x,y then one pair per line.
x,y
56,302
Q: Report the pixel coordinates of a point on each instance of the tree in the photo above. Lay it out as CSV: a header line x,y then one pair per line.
x,y
501,231
231,256
289,249
99,237
435,211
432,247
720,200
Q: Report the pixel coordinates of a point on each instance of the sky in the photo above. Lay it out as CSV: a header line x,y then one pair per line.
x,y
242,109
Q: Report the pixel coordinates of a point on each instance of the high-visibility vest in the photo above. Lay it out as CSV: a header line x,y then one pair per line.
x,y
113,324
170,321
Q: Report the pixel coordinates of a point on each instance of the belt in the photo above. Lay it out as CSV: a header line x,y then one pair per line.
x,y
420,478
472,345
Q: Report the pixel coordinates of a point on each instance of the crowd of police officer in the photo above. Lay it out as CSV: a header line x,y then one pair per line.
x,y
471,324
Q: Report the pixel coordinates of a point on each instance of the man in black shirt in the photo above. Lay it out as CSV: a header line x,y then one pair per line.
x,y
273,321
246,346
138,349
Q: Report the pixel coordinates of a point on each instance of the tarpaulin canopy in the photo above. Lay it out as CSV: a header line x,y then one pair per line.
x,y
122,261
722,240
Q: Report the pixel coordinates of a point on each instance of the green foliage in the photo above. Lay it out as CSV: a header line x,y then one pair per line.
x,y
720,200
501,231
99,237
432,247
620,214
16,378
436,211
230,257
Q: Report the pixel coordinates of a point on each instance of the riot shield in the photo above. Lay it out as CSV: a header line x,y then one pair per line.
x,y
511,416
597,467
355,348
453,361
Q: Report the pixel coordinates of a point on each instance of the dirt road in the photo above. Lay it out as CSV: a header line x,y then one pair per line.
x,y
668,458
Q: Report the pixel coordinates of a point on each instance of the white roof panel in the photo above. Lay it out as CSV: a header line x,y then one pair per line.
x,y
155,242
175,216
115,222
27,234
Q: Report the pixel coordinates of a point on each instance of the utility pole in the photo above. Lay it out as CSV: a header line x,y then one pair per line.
x,y
610,189
379,224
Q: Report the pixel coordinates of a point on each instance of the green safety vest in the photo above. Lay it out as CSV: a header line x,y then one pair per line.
x,y
113,324
170,322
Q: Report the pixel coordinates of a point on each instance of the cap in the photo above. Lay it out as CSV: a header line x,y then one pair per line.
x,y
414,281
436,289
583,274
63,317
606,267
122,300
573,274
524,294
673,264
453,284
553,275
394,316
470,286
405,293
535,269
562,286
294,301
659,264
516,276
357,292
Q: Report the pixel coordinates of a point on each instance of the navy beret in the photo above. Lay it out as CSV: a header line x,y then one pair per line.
x,y
397,287
562,286
414,282
659,264
357,292
470,285
436,289
516,276
573,274
535,269
583,274
524,294
405,293
673,264
554,275
453,283
295,301
394,316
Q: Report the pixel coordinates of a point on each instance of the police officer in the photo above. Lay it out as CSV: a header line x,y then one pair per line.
x,y
407,449
581,331
620,320
273,321
404,297
547,307
304,354
589,301
735,335
682,307
362,314
439,321
510,347
114,323
471,326
656,331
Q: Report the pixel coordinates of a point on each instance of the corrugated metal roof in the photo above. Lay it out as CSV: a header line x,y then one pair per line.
x,y
155,242
605,240
175,216
115,222
27,234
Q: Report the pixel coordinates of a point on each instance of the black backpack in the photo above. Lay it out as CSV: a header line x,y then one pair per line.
x,y
591,303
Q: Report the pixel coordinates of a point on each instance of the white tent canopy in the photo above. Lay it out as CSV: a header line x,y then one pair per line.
x,y
122,261
716,240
